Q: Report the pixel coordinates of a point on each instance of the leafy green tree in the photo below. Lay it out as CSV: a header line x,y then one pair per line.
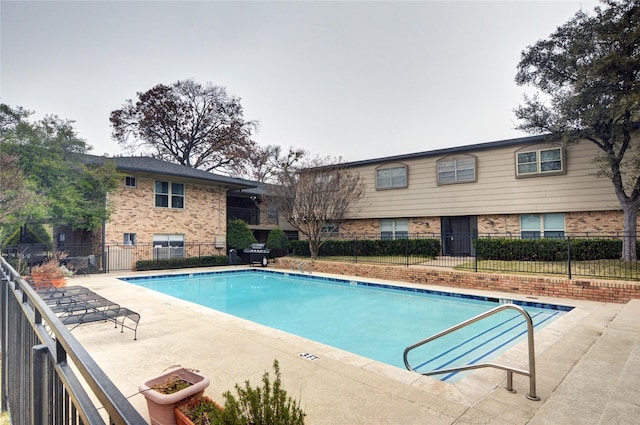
x,y
50,159
13,235
587,81
239,236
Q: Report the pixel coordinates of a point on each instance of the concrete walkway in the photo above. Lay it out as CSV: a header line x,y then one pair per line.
x,y
588,365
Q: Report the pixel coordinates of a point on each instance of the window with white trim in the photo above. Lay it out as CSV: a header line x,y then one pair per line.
x,y
394,228
457,170
130,181
167,246
129,238
391,177
169,195
535,226
540,162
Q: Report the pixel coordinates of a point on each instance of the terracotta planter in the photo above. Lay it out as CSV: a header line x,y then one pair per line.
x,y
182,419
45,281
161,406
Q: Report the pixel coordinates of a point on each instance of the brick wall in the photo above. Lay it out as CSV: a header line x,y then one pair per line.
x,y
203,218
579,289
606,222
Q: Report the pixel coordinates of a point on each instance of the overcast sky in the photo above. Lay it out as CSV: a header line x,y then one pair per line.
x,y
359,80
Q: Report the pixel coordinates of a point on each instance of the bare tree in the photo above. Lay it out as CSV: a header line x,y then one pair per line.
x,y
186,123
316,197
265,163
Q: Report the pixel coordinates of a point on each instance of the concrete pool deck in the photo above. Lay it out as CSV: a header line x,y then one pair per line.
x,y
588,364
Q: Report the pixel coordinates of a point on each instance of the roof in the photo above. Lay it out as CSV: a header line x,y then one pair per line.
x,y
155,167
451,151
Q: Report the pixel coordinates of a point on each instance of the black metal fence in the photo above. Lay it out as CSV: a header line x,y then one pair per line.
x,y
578,255
575,255
38,384
95,258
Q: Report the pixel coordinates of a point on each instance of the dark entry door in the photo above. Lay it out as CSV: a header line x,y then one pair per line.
x,y
457,235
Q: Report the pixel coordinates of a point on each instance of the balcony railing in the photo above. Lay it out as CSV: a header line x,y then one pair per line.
x,y
253,216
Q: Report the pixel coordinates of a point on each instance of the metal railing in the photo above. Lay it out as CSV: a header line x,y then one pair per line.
x,y
253,216
531,373
95,258
587,255
47,376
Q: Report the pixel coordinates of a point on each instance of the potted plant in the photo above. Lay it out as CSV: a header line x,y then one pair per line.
x,y
199,410
164,392
50,272
268,405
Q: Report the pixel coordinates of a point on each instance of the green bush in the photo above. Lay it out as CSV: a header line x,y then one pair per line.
x,y
278,239
368,248
239,236
268,405
182,263
507,249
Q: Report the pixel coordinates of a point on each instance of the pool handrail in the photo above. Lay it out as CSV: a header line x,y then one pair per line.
x,y
531,373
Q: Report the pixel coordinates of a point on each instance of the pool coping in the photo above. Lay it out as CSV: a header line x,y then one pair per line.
x,y
464,394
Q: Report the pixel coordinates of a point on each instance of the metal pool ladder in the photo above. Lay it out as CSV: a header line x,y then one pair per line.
x,y
531,373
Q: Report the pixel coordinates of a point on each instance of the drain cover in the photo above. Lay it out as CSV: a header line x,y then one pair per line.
x,y
308,356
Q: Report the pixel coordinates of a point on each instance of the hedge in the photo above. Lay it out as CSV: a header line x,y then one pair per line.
x,y
181,263
369,248
507,249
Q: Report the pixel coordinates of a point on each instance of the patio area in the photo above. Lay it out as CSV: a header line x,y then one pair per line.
x,y
588,364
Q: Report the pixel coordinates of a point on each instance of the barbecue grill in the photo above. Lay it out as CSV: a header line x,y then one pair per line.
x,y
257,254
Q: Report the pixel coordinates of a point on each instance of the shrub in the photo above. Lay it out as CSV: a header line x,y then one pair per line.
x,y
278,239
420,247
268,405
507,249
239,236
181,263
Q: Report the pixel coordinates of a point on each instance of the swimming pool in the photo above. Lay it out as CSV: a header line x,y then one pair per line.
x,y
369,319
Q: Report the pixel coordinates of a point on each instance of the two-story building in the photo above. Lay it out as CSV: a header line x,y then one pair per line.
x,y
522,187
160,204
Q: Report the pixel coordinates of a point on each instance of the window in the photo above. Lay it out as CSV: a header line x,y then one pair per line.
x,y
167,246
391,177
329,229
542,161
129,238
167,191
457,170
394,228
534,226
272,216
130,181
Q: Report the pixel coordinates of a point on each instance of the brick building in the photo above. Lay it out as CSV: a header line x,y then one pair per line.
x,y
523,187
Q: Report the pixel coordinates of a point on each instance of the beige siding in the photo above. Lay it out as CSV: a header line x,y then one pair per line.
x,y
496,191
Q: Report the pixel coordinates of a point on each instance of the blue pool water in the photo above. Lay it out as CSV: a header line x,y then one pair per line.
x,y
372,320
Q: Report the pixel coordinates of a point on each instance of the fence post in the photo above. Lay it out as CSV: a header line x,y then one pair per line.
x,y
406,252
41,405
475,257
355,249
4,387
569,256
